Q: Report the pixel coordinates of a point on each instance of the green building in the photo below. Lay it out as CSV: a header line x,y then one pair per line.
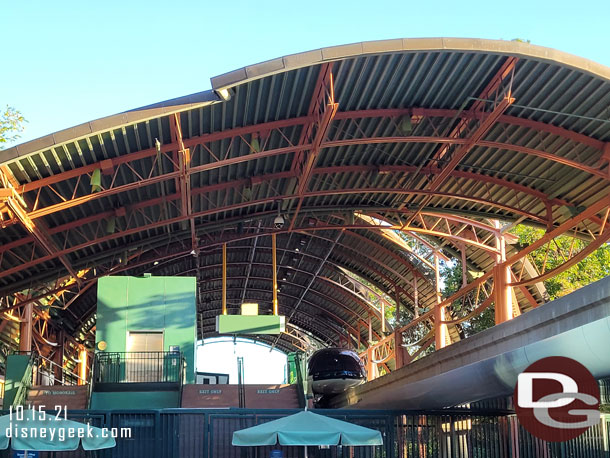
x,y
145,341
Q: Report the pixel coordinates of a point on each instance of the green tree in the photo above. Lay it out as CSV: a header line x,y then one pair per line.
x,y
11,124
452,278
594,267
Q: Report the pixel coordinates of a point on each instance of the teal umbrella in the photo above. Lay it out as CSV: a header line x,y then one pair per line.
x,y
306,428
36,431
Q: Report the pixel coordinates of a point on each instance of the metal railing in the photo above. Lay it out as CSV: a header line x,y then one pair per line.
x,y
138,367
207,433
298,359
24,385
45,372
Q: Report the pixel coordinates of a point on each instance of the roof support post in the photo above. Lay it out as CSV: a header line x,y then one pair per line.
x,y
440,328
397,312
82,365
58,369
415,298
224,278
274,255
464,265
184,181
503,292
371,372
25,328
401,356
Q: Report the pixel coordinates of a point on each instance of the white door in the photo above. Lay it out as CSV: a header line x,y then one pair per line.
x,y
144,361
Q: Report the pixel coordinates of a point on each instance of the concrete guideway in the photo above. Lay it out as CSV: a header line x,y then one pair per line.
x,y
487,365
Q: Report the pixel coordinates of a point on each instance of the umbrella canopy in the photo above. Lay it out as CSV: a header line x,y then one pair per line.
x,y
307,428
36,431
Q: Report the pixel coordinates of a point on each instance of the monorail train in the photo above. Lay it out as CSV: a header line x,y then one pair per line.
x,y
332,371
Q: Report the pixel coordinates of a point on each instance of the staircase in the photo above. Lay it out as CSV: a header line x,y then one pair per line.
x,y
30,380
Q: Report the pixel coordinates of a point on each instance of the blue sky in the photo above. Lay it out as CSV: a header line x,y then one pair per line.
x,y
68,62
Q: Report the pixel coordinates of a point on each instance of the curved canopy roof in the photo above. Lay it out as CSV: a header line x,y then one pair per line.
x,y
438,137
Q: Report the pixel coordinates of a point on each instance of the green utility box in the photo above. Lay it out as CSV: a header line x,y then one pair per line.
x,y
250,324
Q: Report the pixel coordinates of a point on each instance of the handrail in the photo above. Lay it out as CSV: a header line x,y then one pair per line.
x,y
300,382
68,377
24,385
138,367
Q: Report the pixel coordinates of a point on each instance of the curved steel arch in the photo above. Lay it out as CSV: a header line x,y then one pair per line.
x,y
326,325
316,306
371,309
352,297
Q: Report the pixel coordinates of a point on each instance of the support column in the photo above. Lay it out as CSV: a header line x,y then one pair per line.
x,y
415,298
503,295
82,365
369,364
58,369
397,313
440,329
274,254
25,329
464,266
401,355
224,278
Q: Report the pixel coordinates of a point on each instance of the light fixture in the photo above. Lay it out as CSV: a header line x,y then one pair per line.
x,y
279,221
224,94
111,225
255,146
405,127
96,180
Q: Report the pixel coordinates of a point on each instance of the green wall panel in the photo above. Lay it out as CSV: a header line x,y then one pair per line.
x,y
250,324
16,366
165,304
135,400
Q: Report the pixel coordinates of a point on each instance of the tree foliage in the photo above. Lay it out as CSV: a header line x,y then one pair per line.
x,y
11,124
594,267
452,278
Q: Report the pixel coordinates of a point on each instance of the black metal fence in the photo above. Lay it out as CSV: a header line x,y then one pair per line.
x,y
202,433
138,367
